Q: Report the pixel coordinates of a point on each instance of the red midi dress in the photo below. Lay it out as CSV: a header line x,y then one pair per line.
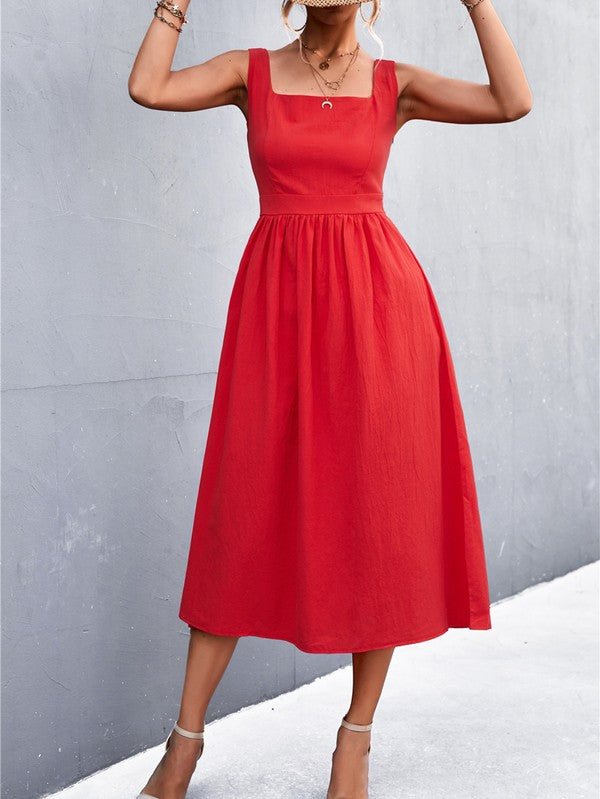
x,y
337,507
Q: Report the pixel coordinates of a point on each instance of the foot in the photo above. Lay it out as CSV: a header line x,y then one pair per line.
x,y
170,779
350,766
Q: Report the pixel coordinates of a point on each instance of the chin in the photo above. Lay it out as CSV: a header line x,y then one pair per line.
x,y
328,13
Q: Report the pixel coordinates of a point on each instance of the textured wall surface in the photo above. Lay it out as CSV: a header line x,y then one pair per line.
x,y
122,231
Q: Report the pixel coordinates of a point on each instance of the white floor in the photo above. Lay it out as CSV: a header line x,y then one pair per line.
x,y
507,713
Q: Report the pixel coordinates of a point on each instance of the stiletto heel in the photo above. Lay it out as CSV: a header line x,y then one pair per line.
x,y
186,734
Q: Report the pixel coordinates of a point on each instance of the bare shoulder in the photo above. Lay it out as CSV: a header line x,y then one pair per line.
x,y
232,61
425,94
220,80
228,70
404,74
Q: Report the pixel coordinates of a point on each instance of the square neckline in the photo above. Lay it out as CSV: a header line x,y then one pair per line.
x,y
312,96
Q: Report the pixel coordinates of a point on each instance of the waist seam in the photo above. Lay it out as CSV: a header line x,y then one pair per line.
x,y
282,203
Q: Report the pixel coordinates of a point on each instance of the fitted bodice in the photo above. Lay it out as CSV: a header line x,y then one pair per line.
x,y
306,158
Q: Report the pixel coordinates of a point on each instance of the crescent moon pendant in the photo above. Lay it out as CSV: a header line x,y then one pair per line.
x,y
326,103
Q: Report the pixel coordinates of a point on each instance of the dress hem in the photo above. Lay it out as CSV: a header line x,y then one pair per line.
x,y
333,649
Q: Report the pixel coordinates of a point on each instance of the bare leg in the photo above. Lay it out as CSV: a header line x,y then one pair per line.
x,y
208,657
350,761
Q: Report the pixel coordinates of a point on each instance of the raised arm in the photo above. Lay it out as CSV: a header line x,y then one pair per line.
x,y
152,82
426,95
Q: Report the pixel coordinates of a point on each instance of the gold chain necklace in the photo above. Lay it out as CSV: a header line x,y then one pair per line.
x,y
332,84
325,63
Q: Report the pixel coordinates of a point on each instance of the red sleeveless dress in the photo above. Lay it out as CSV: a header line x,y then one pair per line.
x,y
337,507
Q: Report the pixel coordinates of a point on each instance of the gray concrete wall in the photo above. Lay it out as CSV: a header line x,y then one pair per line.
x,y
122,231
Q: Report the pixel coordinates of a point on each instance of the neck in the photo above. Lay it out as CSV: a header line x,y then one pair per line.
x,y
330,39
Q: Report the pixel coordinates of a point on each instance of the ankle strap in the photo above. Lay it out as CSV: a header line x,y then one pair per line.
x,y
187,733
356,727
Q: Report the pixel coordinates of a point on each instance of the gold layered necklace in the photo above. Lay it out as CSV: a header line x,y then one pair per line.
x,y
335,84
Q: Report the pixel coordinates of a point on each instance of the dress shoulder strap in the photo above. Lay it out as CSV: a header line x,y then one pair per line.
x,y
257,77
388,80
393,79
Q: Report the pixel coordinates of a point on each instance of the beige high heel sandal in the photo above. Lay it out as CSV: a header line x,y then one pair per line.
x,y
357,728
186,734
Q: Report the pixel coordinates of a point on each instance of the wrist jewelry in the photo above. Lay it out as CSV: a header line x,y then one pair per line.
x,y
172,8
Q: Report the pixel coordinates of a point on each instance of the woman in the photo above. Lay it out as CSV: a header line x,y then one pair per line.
x,y
337,506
